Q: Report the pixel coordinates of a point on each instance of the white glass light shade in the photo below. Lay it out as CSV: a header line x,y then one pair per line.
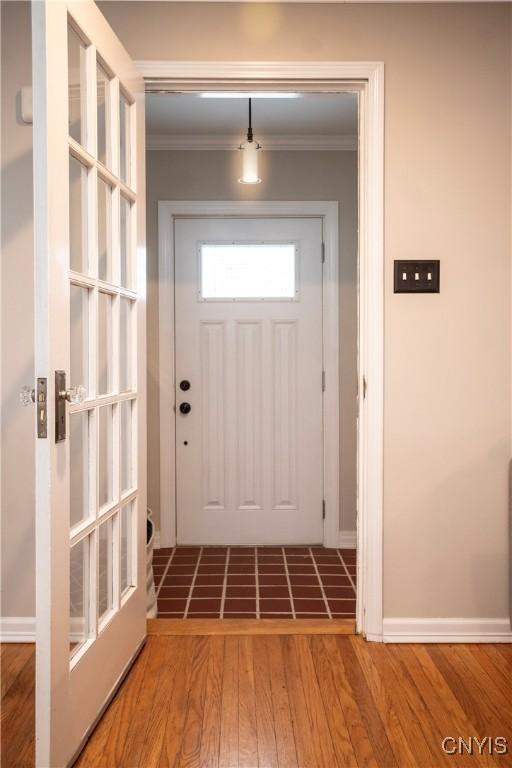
x,y
249,163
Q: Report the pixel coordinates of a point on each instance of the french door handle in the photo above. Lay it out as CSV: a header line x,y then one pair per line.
x,y
74,395
28,395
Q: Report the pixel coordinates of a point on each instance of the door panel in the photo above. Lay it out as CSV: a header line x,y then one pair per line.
x,y
90,519
249,340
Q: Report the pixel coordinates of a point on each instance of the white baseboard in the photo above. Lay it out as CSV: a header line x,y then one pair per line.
x,y
17,629
347,540
447,631
157,544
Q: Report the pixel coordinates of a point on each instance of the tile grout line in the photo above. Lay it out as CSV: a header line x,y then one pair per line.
x,y
224,583
187,606
324,596
164,574
257,580
294,616
346,571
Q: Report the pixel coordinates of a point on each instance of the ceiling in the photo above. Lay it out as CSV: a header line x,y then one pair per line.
x,y
180,119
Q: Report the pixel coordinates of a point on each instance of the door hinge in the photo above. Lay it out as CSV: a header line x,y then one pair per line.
x,y
323,381
323,509
323,253
365,387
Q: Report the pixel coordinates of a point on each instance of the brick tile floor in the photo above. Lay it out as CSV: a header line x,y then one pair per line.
x,y
255,582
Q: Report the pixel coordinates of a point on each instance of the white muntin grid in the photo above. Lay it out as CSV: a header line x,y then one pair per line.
x,y
107,218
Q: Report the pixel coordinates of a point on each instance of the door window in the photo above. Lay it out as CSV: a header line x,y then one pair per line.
x,y
248,271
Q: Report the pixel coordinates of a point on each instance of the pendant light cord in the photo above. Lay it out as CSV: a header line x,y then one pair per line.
x,y
249,132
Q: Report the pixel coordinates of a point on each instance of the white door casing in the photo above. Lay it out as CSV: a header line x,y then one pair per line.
x,y
366,78
89,215
249,454
168,213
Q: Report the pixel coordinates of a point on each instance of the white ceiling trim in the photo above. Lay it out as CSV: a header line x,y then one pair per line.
x,y
289,142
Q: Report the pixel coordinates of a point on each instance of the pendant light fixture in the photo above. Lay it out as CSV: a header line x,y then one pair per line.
x,y
250,149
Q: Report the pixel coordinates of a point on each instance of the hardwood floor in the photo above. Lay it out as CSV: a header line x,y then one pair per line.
x,y
17,724
303,701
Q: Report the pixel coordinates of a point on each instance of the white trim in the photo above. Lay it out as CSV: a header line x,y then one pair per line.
x,y
284,143
447,631
367,79
328,212
347,540
17,629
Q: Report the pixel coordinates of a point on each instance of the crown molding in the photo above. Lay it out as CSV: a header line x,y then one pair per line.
x,y
290,142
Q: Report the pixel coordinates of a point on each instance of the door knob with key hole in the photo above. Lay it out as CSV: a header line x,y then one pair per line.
x,y
74,395
184,385
185,408
27,395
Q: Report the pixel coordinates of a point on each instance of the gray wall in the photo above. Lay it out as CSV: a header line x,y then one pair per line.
x,y
17,320
212,175
447,188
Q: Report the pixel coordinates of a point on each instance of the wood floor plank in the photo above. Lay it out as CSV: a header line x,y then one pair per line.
x,y
281,707
251,627
228,750
479,662
265,726
505,649
247,739
172,662
306,757
397,738
210,736
106,745
356,727
380,743
333,711
454,720
408,706
13,659
17,721
498,707
157,650
500,663
440,720
320,733
191,743
175,721
453,671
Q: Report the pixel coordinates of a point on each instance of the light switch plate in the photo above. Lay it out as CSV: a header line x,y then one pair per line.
x,y
416,276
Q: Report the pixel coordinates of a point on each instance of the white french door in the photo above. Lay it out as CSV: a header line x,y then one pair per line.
x,y
249,435
90,368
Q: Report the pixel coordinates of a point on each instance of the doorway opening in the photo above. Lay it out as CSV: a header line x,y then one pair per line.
x,y
256,401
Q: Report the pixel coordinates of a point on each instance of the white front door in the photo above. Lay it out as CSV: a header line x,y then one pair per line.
x,y
249,432
90,363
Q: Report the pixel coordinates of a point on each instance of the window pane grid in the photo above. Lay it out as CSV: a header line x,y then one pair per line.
x,y
101,282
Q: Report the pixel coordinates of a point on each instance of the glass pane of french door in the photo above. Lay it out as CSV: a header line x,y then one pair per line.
x,y
103,307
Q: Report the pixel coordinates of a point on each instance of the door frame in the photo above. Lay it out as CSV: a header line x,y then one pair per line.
x,y
168,212
367,80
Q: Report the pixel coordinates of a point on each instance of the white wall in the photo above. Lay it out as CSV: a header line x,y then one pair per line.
x,y
212,175
17,319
